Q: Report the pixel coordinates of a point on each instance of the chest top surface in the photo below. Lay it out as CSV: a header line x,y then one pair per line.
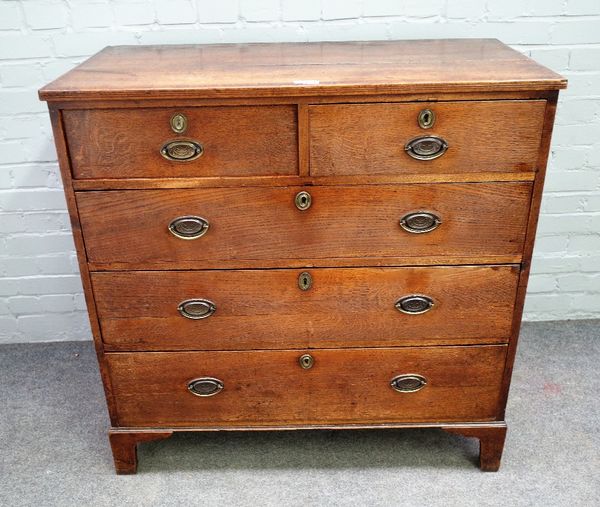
x,y
302,69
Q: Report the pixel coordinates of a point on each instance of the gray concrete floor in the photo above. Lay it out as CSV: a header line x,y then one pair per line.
x,y
54,449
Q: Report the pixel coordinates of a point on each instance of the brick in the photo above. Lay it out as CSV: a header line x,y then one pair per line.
x,y
203,35
259,32
337,31
566,223
563,203
175,12
583,85
566,158
24,305
551,244
4,307
590,263
17,45
37,244
307,10
583,7
17,101
45,14
516,32
8,329
341,9
91,15
554,264
585,58
10,17
34,200
139,13
506,10
555,58
572,135
383,8
578,111
542,283
57,303
53,327
33,222
579,31
588,243
571,181
86,44
24,74
577,282
56,264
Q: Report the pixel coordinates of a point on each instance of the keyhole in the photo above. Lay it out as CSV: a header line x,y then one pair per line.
x,y
426,118
303,200
306,361
304,281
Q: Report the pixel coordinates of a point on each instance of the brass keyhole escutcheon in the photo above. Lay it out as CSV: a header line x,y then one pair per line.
x,y
306,361
426,118
179,123
304,280
303,200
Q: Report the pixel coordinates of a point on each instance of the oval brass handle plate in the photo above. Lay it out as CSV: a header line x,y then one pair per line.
x,y
196,309
304,280
426,148
189,227
306,361
182,150
408,383
426,119
205,386
303,200
419,222
414,304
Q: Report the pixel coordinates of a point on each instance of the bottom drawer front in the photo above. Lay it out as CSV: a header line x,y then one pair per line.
x,y
263,388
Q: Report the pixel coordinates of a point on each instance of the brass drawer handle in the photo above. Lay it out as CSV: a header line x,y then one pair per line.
x,y
414,304
189,227
306,361
426,148
182,151
408,383
205,386
419,222
196,309
303,200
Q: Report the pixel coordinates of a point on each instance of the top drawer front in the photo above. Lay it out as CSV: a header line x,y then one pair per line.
x,y
236,141
353,139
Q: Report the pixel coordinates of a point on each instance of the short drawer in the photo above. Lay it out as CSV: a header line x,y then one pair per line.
x,y
215,141
264,388
286,308
461,137
239,227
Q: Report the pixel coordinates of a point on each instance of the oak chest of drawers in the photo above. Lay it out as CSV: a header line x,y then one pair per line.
x,y
284,236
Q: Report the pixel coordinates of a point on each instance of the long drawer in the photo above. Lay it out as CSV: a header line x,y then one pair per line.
x,y
270,309
214,141
453,137
263,388
466,223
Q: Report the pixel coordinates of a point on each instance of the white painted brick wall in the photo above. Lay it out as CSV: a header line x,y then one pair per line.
x,y
40,292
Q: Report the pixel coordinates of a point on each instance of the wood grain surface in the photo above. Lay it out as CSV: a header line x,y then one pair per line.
x,y
302,69
128,229
343,386
354,139
265,309
237,141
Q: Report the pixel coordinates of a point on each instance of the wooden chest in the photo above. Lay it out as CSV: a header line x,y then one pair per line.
x,y
287,236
